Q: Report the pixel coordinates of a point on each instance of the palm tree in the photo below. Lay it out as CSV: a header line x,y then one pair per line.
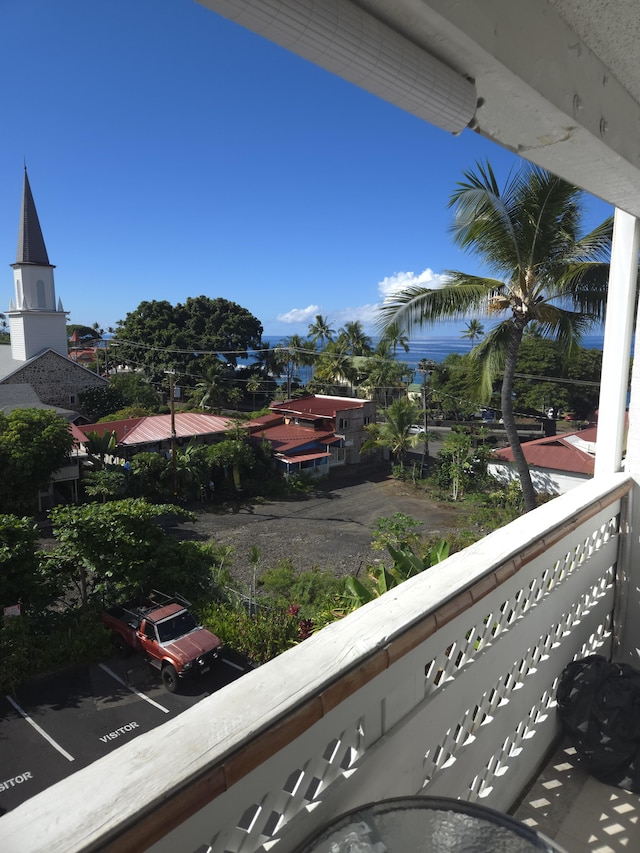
x,y
397,337
473,331
528,234
254,384
211,385
335,365
382,372
395,433
320,330
266,360
352,334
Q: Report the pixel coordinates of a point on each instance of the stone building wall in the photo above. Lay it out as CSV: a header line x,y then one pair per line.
x,y
56,380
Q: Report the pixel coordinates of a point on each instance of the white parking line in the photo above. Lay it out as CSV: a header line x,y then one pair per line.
x,y
133,689
41,731
234,665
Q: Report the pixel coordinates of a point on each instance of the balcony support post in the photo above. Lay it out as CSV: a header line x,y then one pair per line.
x,y
617,353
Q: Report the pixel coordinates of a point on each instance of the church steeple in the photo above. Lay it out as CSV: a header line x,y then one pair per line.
x,y
31,247
36,321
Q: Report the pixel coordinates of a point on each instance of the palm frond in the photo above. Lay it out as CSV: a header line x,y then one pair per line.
x,y
484,217
489,357
419,306
564,326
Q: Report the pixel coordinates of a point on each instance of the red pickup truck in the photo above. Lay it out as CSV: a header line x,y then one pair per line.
x,y
166,633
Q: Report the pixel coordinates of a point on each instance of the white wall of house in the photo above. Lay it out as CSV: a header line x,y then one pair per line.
x,y
545,480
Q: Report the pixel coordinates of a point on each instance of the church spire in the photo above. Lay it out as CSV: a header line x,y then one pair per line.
x,y
31,247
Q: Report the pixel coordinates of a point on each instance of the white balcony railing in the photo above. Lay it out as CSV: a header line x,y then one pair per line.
x,y
444,686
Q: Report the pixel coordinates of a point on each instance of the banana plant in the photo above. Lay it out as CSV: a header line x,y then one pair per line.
x,y
406,564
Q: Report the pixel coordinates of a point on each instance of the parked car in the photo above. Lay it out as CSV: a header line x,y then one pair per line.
x,y
415,429
166,633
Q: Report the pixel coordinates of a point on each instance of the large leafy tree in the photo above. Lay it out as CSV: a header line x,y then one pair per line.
x,y
527,233
187,337
19,565
135,391
33,444
98,402
119,547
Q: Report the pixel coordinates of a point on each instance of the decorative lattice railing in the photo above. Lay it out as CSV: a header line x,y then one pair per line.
x,y
444,686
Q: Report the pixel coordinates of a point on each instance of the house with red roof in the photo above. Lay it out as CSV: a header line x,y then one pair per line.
x,y
557,463
315,433
154,433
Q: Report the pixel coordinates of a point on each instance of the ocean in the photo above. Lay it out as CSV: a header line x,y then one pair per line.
x,y
438,347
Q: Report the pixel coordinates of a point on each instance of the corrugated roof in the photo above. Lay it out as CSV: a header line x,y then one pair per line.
x,y
155,428
264,421
304,457
559,452
287,436
318,406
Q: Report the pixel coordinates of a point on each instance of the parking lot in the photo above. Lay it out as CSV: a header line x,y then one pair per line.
x,y
61,723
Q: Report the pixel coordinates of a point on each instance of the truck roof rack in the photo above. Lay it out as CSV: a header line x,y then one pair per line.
x,y
161,599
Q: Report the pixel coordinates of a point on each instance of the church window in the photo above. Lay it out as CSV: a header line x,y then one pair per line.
x,y
40,294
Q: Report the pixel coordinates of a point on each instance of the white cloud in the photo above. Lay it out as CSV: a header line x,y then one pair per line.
x,y
392,284
299,315
366,314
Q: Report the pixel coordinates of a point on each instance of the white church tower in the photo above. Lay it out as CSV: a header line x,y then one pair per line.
x,y
36,322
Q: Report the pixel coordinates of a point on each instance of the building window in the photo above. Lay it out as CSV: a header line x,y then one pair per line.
x,y
367,420
40,294
343,423
72,398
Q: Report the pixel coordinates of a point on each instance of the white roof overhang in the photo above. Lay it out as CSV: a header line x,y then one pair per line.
x,y
557,81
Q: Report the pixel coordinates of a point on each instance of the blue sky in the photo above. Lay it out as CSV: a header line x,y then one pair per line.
x,y
172,154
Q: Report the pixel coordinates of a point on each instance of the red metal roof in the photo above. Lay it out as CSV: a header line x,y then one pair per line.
x,y
303,457
155,428
264,421
559,452
317,406
286,437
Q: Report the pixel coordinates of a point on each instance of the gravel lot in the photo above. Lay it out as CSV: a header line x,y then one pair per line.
x,y
330,529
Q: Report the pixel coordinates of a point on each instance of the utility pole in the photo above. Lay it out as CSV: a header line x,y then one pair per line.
x,y
425,366
172,404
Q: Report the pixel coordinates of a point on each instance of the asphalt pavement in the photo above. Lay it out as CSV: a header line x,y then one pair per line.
x,y
59,724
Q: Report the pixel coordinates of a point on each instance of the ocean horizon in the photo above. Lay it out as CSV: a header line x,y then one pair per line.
x,y
438,347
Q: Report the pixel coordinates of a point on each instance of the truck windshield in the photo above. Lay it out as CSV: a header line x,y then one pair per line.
x,y
175,627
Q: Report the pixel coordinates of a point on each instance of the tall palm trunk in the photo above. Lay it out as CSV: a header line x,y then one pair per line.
x,y
509,420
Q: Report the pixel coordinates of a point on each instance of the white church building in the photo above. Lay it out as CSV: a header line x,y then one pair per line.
x,y
35,370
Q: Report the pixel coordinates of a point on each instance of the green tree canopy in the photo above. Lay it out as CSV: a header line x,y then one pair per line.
x,y
19,564
119,546
136,391
185,337
100,401
33,444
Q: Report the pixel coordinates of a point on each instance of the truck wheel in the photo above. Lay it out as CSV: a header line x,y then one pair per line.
x,y
121,648
170,678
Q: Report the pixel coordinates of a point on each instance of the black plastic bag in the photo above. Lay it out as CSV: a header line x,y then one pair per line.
x,y
599,705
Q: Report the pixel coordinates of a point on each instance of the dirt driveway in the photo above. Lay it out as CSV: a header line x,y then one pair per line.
x,y
330,529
